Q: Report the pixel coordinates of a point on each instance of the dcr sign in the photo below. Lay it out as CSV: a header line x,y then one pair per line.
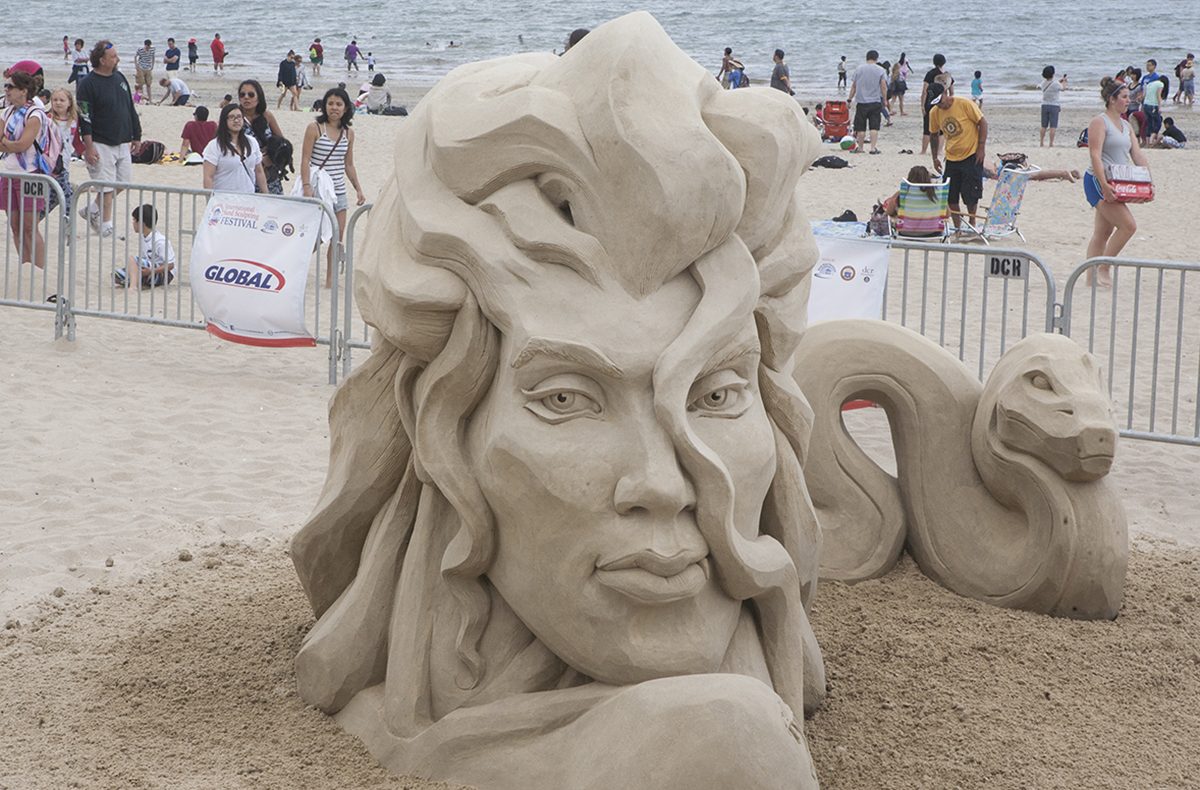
x,y
1012,267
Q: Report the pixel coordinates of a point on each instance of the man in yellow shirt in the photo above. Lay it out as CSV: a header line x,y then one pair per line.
x,y
965,129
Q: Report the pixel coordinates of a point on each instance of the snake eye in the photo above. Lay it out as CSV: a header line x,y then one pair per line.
x,y
1040,382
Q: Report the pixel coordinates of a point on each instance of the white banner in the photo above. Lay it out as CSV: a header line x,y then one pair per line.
x,y
849,280
249,268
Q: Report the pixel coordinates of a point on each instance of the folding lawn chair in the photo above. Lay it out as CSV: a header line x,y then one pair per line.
x,y
1000,218
920,216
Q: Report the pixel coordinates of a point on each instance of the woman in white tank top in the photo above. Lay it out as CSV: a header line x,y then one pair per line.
x,y
329,146
1110,142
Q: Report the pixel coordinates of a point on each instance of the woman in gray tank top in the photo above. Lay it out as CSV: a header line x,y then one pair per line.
x,y
1110,142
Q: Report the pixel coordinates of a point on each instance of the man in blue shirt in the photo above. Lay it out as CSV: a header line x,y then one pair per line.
x,y
1151,72
172,56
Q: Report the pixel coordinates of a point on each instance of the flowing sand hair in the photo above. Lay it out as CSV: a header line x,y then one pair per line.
x,y
625,162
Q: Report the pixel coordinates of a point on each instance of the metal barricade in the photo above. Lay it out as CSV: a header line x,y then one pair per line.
x,y
34,241
974,301
103,246
355,338
1146,332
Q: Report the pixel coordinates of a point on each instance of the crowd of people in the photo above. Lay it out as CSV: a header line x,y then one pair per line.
x,y
955,131
244,149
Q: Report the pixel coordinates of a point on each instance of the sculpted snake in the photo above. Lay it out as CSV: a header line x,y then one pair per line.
x,y
1001,492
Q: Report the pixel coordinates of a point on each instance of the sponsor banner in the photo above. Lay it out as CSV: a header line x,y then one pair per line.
x,y
249,268
849,280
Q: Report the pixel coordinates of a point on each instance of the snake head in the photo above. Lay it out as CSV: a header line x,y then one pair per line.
x,y
1053,406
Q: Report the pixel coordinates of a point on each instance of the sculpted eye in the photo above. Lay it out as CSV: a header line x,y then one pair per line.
x,y
568,402
717,400
1040,382
723,394
563,398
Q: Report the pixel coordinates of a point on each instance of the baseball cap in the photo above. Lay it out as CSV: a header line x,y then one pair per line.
x,y
30,67
934,95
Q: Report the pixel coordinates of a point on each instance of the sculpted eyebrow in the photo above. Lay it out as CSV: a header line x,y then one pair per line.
x,y
748,347
569,351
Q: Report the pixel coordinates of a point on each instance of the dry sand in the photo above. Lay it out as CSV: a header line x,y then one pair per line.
x,y
147,444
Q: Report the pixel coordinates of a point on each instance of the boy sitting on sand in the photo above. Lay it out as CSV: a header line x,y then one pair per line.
x,y
1172,135
155,259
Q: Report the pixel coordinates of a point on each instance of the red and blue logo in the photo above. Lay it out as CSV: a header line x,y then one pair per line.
x,y
241,273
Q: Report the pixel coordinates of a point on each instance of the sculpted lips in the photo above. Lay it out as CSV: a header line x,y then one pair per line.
x,y
653,578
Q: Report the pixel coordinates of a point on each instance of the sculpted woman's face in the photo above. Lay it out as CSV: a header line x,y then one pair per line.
x,y
598,547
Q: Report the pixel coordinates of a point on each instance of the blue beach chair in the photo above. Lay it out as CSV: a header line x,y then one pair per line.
x,y
1000,218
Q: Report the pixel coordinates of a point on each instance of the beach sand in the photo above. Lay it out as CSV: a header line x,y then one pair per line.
x,y
188,463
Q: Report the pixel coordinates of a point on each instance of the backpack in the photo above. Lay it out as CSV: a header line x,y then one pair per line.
x,y
147,152
278,151
1083,140
49,157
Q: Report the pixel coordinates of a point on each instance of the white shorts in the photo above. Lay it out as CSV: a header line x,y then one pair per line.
x,y
114,164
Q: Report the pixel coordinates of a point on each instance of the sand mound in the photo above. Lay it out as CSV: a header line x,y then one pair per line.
x,y
184,679
929,689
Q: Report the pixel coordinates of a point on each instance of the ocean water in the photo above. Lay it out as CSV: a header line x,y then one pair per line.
x,y
1009,42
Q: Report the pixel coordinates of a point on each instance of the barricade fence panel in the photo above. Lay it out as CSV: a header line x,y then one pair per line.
x,y
34,236
973,301
106,245
358,334
1145,331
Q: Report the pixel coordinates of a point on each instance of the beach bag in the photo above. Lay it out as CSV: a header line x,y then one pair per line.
x,y
878,224
833,162
147,152
1082,142
1130,183
1013,161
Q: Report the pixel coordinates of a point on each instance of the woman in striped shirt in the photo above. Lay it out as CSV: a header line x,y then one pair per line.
x,y
329,146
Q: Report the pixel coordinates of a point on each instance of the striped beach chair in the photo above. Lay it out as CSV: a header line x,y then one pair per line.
x,y
1000,219
920,217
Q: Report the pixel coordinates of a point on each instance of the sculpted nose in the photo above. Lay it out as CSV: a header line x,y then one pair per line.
x,y
1097,440
653,480
1096,446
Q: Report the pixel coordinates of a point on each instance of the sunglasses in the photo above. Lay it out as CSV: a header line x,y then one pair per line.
x,y
8,86
108,46
247,95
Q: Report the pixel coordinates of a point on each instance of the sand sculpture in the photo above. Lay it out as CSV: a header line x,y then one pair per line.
x,y
565,540
1001,492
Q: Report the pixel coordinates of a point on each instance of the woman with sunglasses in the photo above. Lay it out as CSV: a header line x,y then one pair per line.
x,y
232,159
25,137
260,122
